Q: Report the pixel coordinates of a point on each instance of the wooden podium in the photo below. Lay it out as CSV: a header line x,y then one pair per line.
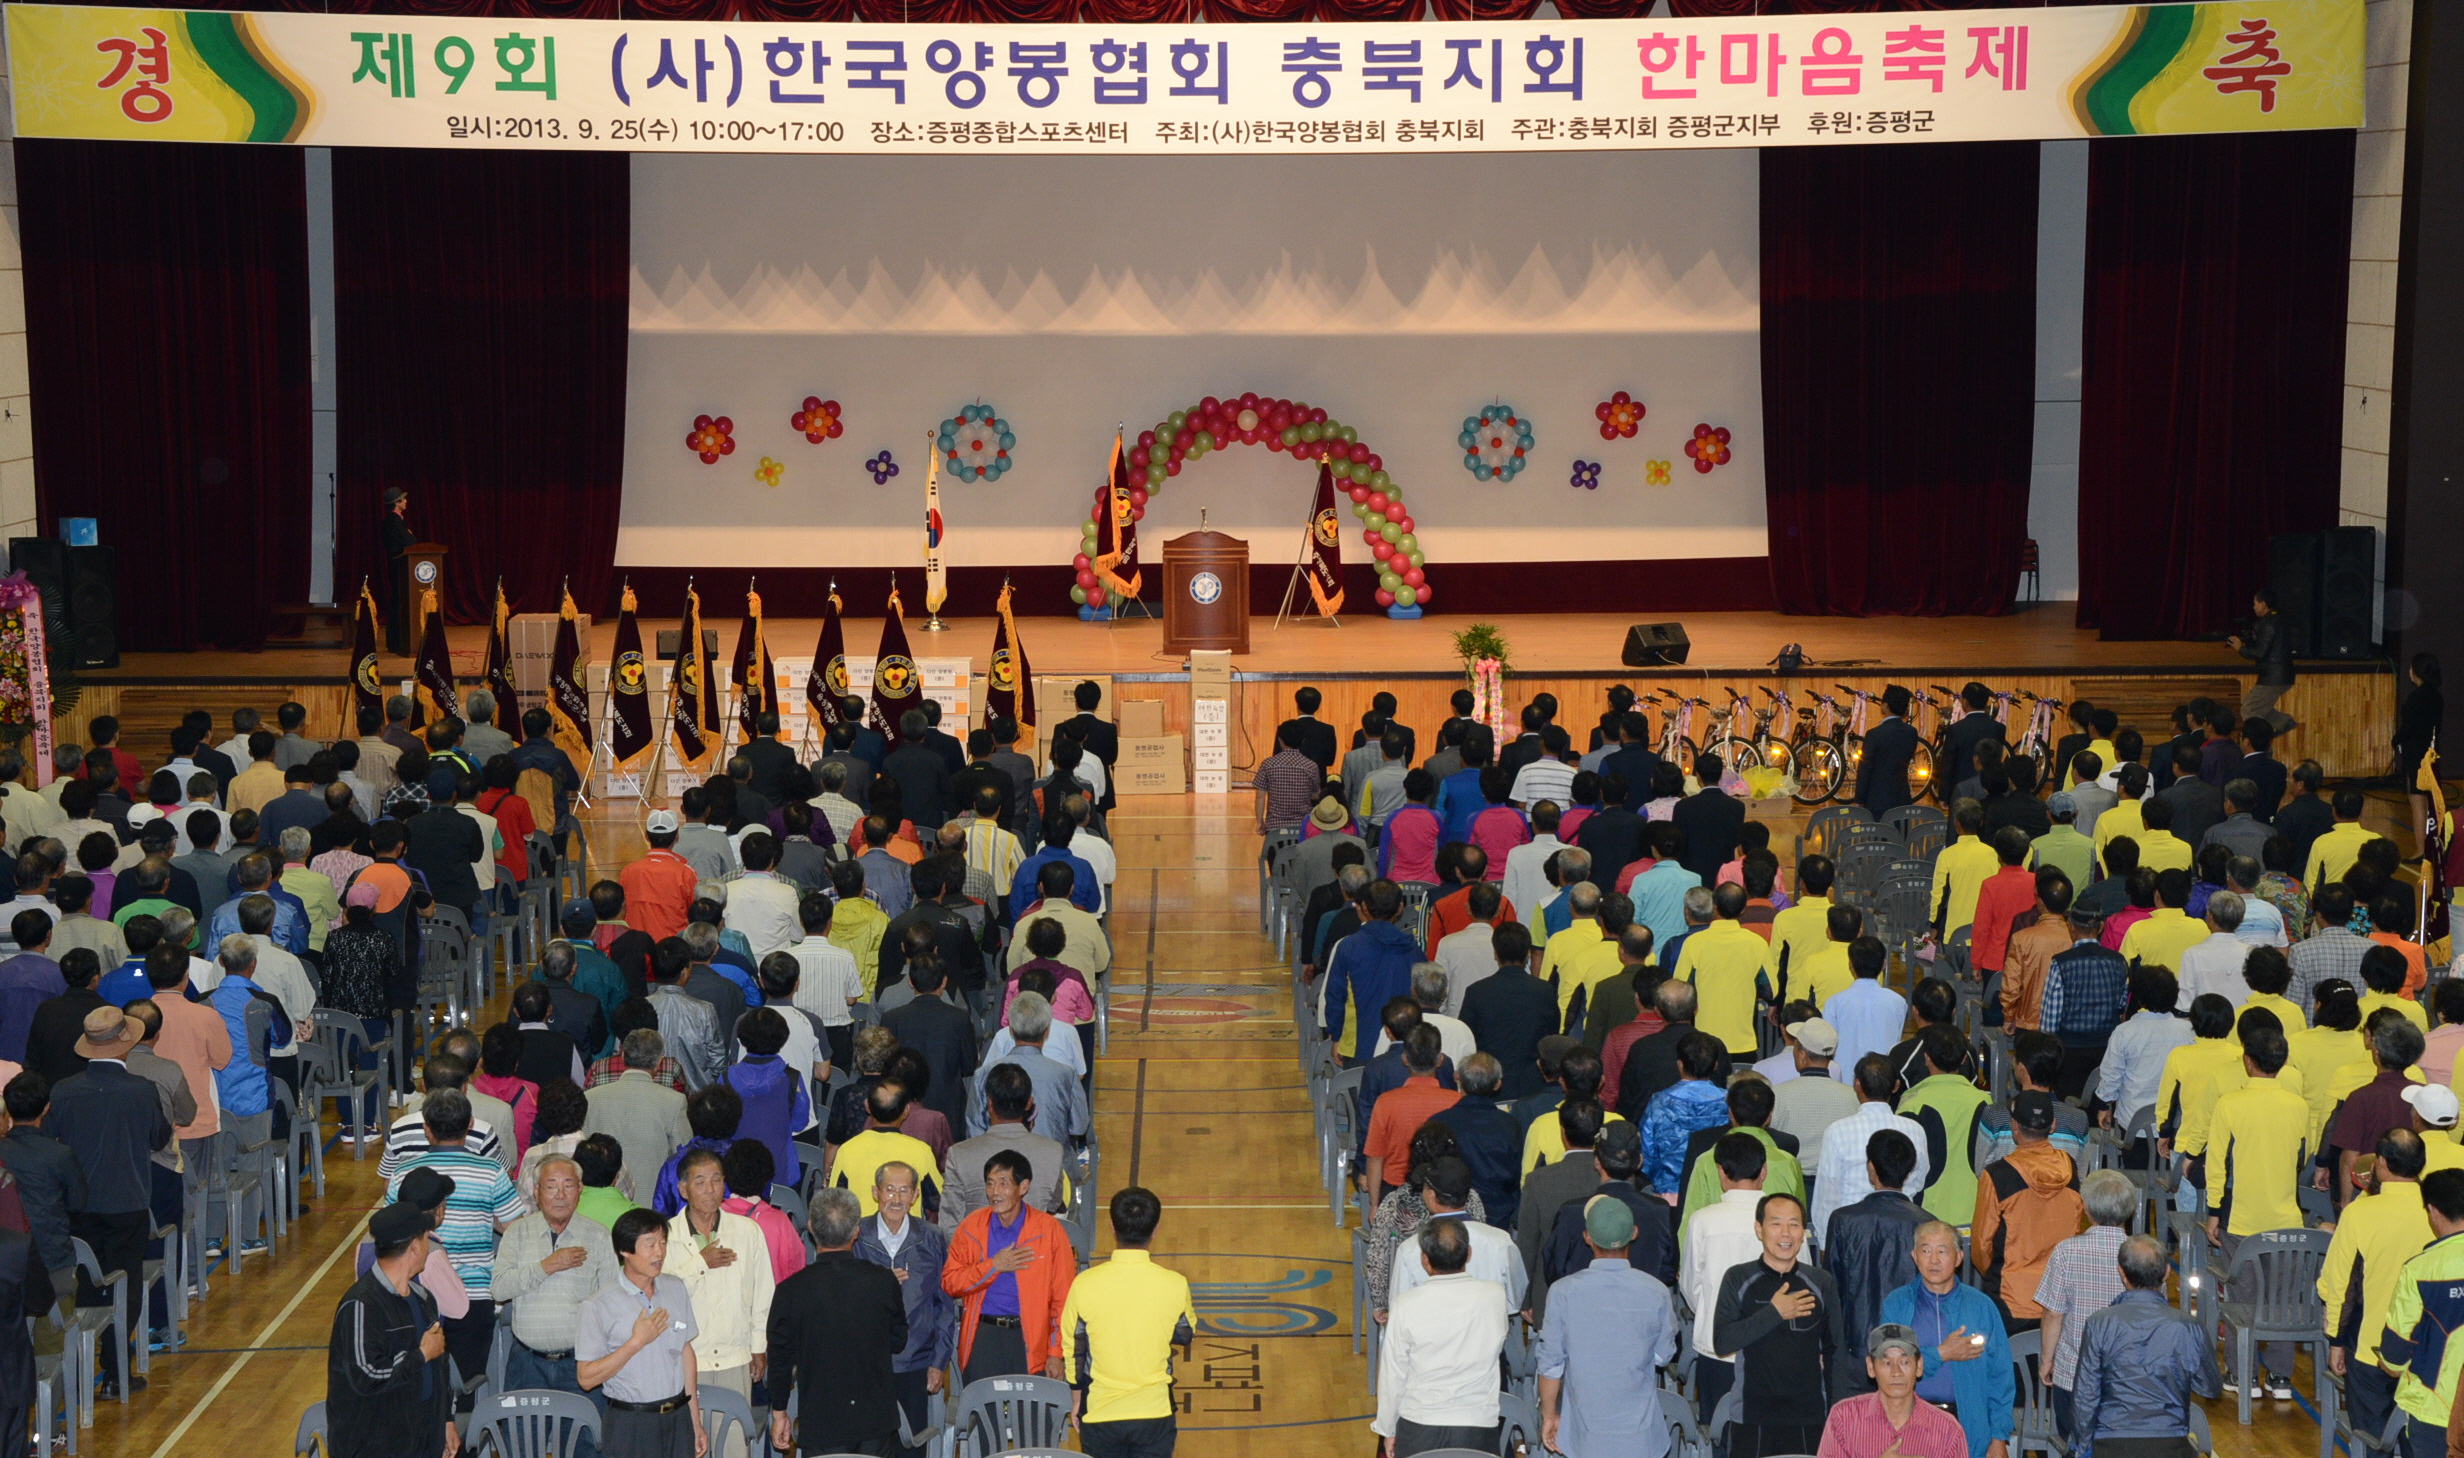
x,y
423,568
1206,592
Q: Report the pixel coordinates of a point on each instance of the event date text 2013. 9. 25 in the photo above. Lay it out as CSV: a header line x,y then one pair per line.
x,y
623,129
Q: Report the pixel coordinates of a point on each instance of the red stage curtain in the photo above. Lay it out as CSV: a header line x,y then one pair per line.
x,y
167,350
480,326
1898,373
2212,406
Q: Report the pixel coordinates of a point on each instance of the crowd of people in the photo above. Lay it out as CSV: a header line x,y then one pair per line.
x,y
1634,1100
791,1107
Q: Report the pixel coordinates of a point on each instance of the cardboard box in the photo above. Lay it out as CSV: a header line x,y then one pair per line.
x,y
1210,673
534,643
1152,766
1210,712
1054,701
1141,718
1211,782
1210,736
1215,757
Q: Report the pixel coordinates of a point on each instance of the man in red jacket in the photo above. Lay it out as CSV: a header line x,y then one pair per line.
x,y
1010,1266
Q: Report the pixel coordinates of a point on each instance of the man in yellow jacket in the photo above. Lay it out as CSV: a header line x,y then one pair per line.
x,y
1118,1329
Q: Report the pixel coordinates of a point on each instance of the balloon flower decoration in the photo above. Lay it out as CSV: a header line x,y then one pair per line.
x,y
1620,416
1709,447
975,444
818,421
882,467
1307,433
769,472
712,436
1494,443
1586,476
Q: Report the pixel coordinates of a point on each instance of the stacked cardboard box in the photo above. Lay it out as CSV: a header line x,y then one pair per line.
x,y
1210,721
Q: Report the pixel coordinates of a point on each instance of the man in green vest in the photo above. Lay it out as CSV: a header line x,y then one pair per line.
x,y
1946,1106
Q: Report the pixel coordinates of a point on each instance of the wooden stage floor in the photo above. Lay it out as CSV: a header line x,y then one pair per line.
x,y
2039,640
1199,1098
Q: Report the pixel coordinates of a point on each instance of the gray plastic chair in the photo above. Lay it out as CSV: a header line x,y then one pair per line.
x,y
1005,1414
1685,1436
1518,1427
724,1410
1827,830
2033,1427
534,1422
2288,1308
93,1320
55,1398
311,1437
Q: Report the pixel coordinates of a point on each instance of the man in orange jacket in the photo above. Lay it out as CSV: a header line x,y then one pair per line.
x,y
1009,1267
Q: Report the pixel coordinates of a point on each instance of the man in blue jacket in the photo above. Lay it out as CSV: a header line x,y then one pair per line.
x,y
1967,1357
914,1249
1368,967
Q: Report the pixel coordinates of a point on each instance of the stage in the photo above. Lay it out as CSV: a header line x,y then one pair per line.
x,y
2347,709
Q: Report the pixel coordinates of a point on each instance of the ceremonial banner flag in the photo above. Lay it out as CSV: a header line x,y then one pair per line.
x,y
936,581
367,690
628,690
470,80
897,687
434,668
751,674
825,686
1010,686
496,670
1325,547
568,699
1117,567
692,696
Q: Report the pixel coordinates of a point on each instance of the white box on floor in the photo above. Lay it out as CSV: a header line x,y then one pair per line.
x,y
1211,782
1205,711
1217,757
1209,736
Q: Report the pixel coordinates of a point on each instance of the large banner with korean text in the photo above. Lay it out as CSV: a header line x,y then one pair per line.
x,y
419,81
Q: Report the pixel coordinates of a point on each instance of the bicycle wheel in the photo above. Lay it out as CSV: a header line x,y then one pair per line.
x,y
1736,753
1851,754
1922,771
1821,769
2035,754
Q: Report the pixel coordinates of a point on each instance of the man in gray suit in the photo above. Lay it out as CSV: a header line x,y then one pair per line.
x,y
1009,1102
1060,1101
641,1114
689,1025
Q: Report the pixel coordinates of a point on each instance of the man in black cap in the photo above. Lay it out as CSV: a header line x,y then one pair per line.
x,y
387,1389
394,537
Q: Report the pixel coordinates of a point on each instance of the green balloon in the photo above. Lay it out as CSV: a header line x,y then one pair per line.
x,y
1176,419
1390,581
1349,434
1078,595
1390,532
1406,543
1406,596
1417,559
1348,470
1155,474
1380,481
1206,439
1291,435
1376,520
1313,432
1360,510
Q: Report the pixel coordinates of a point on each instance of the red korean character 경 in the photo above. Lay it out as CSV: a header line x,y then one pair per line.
x,y
145,100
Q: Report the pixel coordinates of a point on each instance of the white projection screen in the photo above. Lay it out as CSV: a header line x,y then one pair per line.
x,y
1073,294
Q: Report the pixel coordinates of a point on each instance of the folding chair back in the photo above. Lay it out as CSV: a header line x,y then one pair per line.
x,y
1004,1414
534,1422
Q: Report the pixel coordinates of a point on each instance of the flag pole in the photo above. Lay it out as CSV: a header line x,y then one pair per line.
x,y
932,470
1300,565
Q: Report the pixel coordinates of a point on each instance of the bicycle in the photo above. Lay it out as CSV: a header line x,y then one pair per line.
x,y
1735,748
1925,765
1676,717
2036,742
1814,762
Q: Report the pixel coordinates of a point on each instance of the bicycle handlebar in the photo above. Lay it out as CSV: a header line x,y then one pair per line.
x,y
1945,692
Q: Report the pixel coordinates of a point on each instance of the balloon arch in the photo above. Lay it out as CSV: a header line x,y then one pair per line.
x,y
1308,433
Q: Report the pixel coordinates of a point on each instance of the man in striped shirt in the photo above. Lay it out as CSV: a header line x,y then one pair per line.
x,y
1550,777
482,1202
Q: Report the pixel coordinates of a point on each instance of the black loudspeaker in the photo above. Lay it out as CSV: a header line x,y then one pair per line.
x,y
1653,644
2293,575
670,638
2348,593
80,588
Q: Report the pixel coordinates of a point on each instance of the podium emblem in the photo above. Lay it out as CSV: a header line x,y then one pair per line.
x,y
1205,588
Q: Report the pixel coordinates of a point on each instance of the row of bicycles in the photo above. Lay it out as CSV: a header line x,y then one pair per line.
x,y
1817,739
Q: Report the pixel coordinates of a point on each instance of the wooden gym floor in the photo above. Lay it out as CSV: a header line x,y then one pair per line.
x,y
1199,1098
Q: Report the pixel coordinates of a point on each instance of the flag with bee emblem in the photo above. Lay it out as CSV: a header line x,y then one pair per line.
x,y
568,700
1326,547
367,691
496,668
754,678
434,667
1009,688
1116,512
897,686
628,690
692,692
825,686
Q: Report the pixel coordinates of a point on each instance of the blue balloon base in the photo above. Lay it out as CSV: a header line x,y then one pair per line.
x,y
1095,614
1400,611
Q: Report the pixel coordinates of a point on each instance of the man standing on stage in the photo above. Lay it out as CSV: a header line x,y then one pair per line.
x,y
394,537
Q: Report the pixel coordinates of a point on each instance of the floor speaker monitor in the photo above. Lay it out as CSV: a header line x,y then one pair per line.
x,y
1652,645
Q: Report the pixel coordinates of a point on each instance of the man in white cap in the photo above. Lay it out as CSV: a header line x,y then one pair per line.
x,y
1810,1103
659,888
2434,1115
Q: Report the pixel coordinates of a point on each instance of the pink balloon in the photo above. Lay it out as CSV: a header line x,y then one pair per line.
x,y
1375,462
1137,513
1380,548
1274,442
1358,492
1080,563
1405,523
1422,593
1209,405
1249,400
1359,452
1317,417
1385,598
1085,577
1146,438
1138,459
1378,501
1137,496
1095,597
1415,576
1173,468
1182,439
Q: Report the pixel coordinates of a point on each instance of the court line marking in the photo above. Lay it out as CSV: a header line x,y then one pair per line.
x,y
1137,1124
350,1241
